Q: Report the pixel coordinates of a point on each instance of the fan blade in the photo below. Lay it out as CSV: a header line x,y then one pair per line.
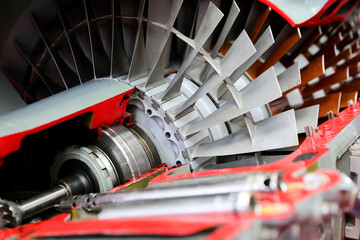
x,y
258,93
272,133
348,96
262,44
290,78
233,13
284,41
157,57
119,62
341,56
211,19
306,117
138,67
309,36
239,52
313,70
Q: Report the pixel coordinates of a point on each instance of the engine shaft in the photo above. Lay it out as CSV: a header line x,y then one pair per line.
x,y
42,202
120,154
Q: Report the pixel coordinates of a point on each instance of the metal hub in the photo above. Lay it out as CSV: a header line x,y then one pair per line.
x,y
157,120
90,159
120,154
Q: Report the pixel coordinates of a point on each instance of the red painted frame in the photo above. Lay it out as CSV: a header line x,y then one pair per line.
x,y
316,19
103,114
226,225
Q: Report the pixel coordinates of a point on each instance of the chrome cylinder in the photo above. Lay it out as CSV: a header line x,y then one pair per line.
x,y
43,201
126,151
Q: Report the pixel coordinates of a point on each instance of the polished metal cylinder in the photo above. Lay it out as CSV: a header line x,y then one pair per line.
x,y
77,183
126,151
216,185
43,201
236,202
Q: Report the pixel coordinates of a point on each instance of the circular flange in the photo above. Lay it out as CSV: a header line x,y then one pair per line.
x,y
95,161
155,118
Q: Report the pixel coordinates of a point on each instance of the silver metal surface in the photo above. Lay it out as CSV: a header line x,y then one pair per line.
x,y
290,77
306,117
157,120
60,105
212,17
265,41
280,38
309,131
232,203
239,52
96,160
261,45
190,188
233,14
340,144
259,92
352,228
257,137
160,54
126,150
138,66
42,201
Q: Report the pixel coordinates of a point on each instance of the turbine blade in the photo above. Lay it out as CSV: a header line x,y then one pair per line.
x,y
211,19
326,82
272,133
233,13
262,44
138,62
157,58
306,117
259,92
238,54
290,77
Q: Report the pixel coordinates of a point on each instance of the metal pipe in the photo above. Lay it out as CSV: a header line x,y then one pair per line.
x,y
76,183
199,188
238,202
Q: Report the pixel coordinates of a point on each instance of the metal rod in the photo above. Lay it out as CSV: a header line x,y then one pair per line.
x,y
43,201
199,188
238,202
